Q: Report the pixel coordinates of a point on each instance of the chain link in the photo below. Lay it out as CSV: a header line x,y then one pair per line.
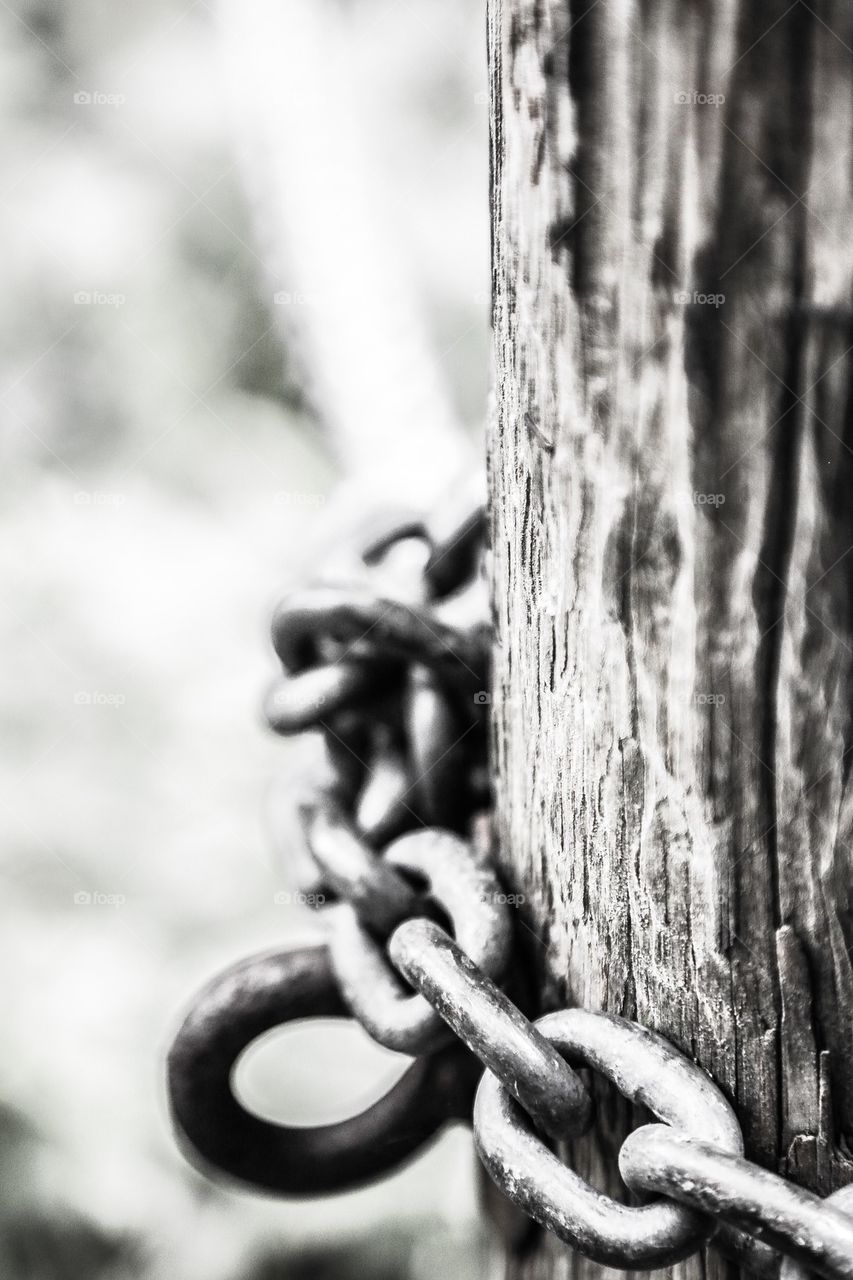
x,y
646,1069
470,897
396,829
735,1191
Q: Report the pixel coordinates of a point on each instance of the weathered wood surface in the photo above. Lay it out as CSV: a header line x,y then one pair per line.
x,y
672,512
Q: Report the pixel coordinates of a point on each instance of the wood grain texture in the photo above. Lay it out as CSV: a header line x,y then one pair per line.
x,y
672,521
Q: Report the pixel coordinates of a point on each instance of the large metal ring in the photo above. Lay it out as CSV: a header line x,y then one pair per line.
x,y
220,1135
695,1172
646,1069
470,895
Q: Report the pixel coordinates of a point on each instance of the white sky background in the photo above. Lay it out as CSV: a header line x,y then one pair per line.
x,y
161,490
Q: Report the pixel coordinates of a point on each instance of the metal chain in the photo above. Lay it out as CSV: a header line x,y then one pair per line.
x,y
420,936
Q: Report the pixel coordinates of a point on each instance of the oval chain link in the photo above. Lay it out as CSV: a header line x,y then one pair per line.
x,y
469,895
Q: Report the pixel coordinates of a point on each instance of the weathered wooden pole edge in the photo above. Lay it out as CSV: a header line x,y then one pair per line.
x,y
670,478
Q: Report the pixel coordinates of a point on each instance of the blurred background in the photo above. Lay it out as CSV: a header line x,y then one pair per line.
x,y
245,299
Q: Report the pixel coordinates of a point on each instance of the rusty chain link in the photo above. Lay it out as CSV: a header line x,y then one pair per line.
x,y
420,936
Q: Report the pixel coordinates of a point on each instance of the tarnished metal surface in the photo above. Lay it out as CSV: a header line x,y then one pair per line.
x,y
492,1027
219,1134
470,895
841,1200
753,1256
646,1069
379,896
814,1232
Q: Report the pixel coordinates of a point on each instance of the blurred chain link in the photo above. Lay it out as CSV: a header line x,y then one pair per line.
x,y
419,938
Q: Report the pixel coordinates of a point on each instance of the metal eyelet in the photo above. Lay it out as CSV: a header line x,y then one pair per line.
x,y
218,1134
468,892
646,1069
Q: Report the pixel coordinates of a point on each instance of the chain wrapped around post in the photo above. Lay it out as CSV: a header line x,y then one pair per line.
x,y
419,940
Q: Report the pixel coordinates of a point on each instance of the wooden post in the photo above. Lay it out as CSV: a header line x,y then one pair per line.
x,y
672,517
